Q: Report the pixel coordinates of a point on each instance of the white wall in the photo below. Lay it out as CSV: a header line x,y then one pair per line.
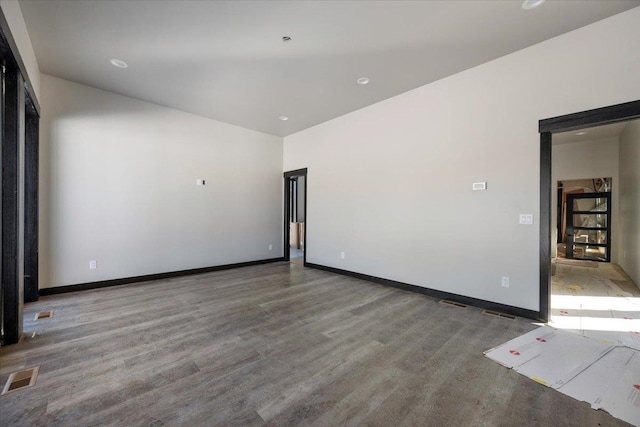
x,y
585,160
13,14
390,184
630,200
118,185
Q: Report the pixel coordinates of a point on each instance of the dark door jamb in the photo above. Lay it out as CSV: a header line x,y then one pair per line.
x,y
287,178
547,127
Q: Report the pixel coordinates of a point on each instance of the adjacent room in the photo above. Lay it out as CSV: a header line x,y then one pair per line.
x,y
593,293
320,213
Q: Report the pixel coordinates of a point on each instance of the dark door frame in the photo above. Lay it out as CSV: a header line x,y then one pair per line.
x,y
19,118
547,127
31,226
288,176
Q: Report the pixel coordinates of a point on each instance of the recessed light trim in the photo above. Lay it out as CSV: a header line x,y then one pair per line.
x,y
531,4
363,81
283,118
118,63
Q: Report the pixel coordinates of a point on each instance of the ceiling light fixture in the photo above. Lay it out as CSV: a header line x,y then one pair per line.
x,y
286,39
118,63
283,118
363,80
531,4
581,133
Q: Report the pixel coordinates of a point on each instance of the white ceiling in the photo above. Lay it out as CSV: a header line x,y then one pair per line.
x,y
589,134
226,59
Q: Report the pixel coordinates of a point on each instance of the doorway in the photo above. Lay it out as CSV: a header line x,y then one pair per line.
x,y
295,216
576,122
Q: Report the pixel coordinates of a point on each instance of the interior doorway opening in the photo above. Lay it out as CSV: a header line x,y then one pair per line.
x,y
589,182
575,124
590,291
295,216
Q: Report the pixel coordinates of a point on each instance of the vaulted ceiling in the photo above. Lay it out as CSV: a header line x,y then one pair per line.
x,y
227,59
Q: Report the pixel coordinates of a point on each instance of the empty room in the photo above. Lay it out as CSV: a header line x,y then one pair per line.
x,y
283,213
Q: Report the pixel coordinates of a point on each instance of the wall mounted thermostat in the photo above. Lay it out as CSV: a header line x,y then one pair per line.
x,y
479,186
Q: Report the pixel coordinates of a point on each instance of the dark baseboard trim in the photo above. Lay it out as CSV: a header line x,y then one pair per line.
x,y
148,277
507,309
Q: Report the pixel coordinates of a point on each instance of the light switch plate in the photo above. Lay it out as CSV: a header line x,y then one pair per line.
x,y
479,186
526,219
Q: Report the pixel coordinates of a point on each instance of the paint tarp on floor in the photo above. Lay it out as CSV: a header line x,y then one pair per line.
x,y
605,376
549,356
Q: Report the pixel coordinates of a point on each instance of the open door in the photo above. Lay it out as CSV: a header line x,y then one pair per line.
x,y
295,215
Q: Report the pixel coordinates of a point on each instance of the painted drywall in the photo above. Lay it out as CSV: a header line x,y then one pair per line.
x,y
584,160
118,185
630,200
391,184
13,15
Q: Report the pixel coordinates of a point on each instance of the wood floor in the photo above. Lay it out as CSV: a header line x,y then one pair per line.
x,y
276,345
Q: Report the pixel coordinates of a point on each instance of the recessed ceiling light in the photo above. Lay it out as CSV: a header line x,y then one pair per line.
x,y
118,63
581,133
531,4
286,39
363,80
283,118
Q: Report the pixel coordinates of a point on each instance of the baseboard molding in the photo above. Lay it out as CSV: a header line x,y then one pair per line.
x,y
148,277
503,308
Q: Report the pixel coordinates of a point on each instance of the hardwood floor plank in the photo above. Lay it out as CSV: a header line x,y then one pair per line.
x,y
274,344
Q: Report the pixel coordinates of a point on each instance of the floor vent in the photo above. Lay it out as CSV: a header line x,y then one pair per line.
x,y
21,380
453,303
497,314
28,335
44,315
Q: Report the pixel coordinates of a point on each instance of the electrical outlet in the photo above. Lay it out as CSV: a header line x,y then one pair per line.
x,y
270,247
93,264
505,282
342,255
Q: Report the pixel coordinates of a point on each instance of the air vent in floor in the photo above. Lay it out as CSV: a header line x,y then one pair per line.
x,y
28,335
497,314
44,315
453,303
21,380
